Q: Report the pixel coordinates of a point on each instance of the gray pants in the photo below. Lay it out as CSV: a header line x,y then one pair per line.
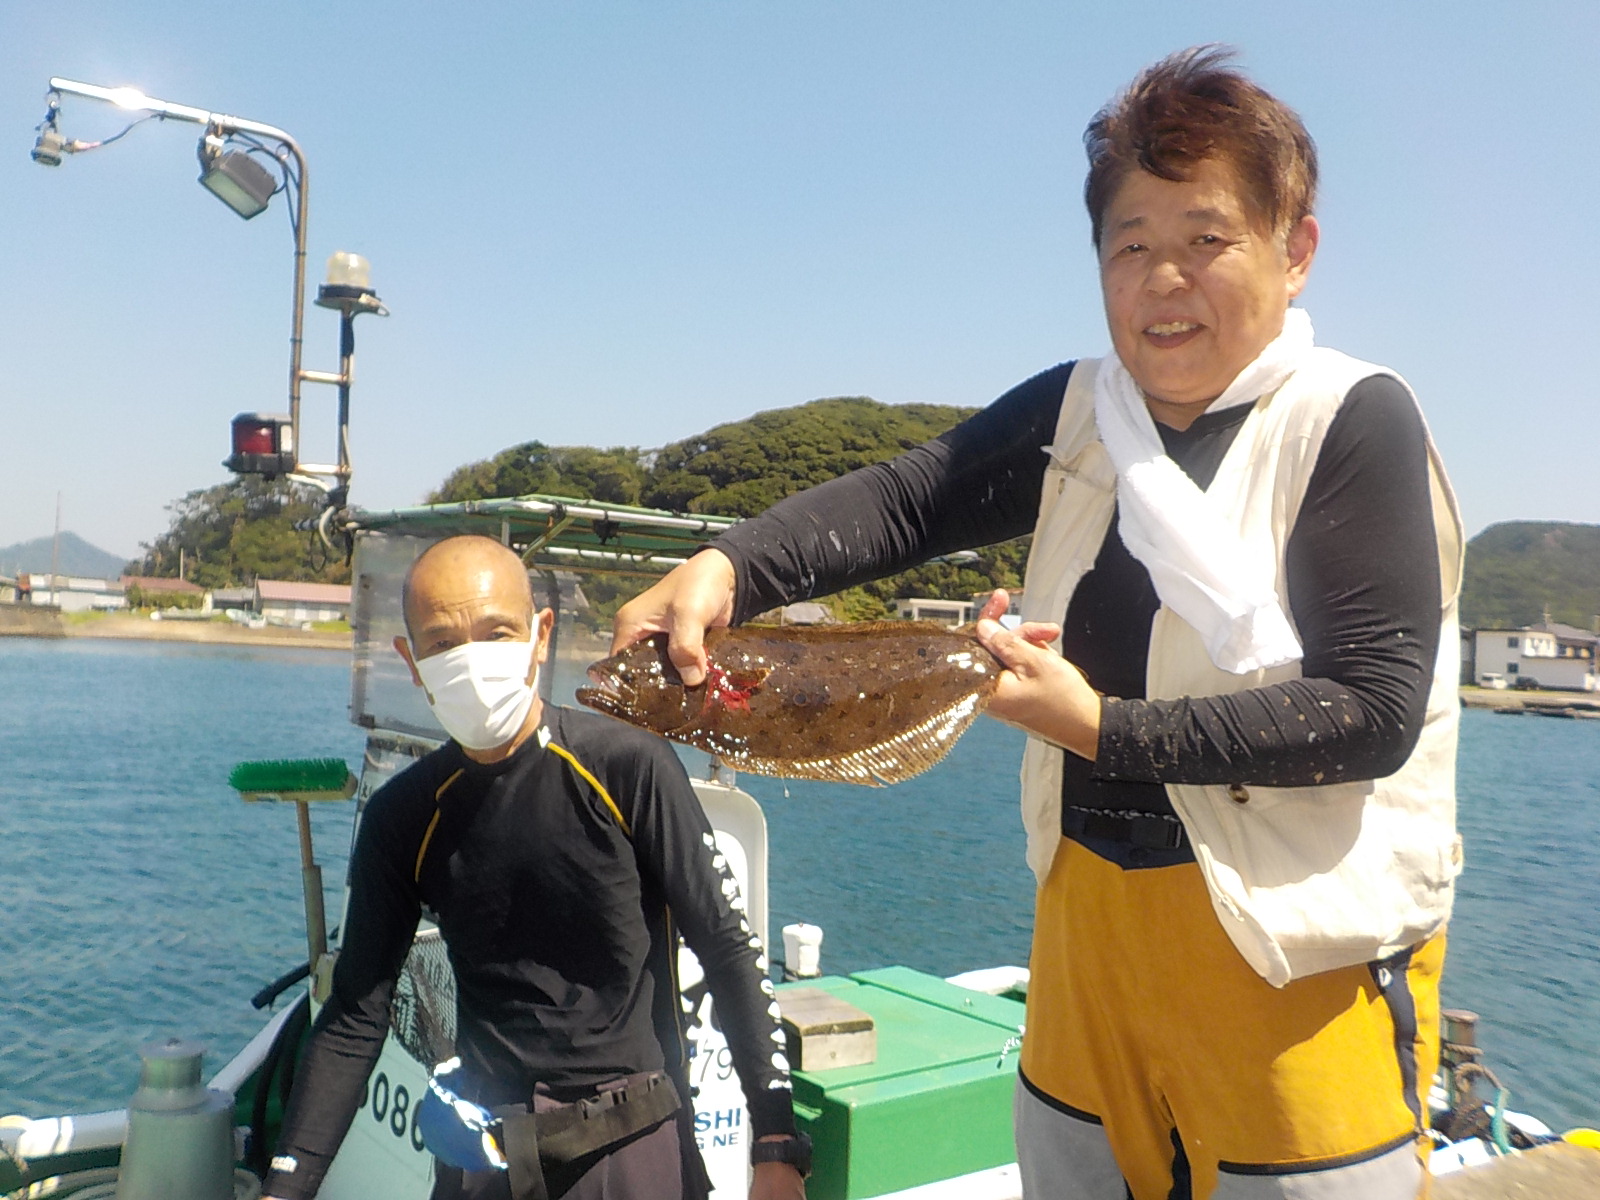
x,y
1066,1157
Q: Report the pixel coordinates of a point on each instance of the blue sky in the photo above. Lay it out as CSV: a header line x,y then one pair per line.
x,y
622,223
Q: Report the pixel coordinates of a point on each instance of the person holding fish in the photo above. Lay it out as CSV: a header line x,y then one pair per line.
x,y
561,856
1237,668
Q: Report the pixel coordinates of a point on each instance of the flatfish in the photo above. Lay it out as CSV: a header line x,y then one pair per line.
x,y
870,703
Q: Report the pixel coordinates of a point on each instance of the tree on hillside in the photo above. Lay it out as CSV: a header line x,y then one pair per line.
x,y
741,468
1519,570
234,532
614,476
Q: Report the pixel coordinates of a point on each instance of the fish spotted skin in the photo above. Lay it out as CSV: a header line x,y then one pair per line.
x,y
870,703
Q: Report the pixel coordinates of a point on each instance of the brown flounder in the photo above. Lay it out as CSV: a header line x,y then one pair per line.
x,y
870,703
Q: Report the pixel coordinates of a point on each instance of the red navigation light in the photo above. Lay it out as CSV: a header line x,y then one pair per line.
x,y
254,437
263,444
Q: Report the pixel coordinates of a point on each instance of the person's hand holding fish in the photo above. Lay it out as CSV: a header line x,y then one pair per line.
x,y
1039,691
873,703
694,596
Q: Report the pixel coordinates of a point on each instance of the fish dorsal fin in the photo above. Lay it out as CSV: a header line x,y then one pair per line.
x,y
900,627
895,760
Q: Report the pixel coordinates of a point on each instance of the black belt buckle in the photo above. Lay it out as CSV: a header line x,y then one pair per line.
x,y
1144,830
600,1101
1156,833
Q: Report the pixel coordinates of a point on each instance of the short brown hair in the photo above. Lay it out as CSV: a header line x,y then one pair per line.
x,y
1191,107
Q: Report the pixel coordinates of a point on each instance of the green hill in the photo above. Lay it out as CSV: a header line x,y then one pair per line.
x,y
1516,571
1519,570
737,469
243,529
741,468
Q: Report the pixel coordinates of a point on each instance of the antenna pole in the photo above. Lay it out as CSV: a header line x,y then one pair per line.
x,y
55,555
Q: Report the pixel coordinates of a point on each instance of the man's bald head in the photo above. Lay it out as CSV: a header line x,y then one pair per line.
x,y
466,590
463,581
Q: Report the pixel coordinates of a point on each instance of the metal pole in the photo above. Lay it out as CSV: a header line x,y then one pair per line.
x,y
302,211
347,368
136,101
311,884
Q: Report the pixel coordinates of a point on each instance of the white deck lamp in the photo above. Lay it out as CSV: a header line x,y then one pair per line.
x,y
348,287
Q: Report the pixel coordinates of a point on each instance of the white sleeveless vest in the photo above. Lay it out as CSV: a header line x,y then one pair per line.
x,y
1303,879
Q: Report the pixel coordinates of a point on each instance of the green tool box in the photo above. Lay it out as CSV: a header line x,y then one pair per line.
x,y
935,1104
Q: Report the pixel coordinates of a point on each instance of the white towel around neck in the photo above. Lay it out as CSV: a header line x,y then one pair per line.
x,y
1200,566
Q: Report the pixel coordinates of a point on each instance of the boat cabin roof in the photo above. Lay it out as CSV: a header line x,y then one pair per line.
x,y
557,531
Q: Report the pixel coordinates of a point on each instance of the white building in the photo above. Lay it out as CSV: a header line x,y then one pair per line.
x,y
297,603
1547,655
924,608
72,593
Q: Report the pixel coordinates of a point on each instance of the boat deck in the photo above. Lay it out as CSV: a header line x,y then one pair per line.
x,y
1558,1171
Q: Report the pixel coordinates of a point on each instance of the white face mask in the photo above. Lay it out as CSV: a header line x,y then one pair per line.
x,y
480,692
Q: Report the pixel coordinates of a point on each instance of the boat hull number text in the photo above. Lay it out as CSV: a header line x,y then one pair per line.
x,y
394,1108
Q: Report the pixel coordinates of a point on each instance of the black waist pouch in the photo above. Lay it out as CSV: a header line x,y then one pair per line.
x,y
533,1137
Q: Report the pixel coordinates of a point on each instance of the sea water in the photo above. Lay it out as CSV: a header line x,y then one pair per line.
x,y
140,897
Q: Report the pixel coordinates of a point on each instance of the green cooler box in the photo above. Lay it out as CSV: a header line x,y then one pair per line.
x,y
935,1104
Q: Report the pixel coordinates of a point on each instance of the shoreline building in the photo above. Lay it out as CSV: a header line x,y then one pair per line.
x,y
72,593
1546,655
296,603
927,608
957,612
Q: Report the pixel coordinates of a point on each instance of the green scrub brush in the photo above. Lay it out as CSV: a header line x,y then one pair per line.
x,y
301,780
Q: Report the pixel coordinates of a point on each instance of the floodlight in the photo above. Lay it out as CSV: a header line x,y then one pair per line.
x,y
235,178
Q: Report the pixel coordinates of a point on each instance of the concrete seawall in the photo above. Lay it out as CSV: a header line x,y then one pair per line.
x,y
1523,701
31,620
22,620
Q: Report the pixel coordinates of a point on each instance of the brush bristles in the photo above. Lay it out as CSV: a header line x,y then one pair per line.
x,y
303,778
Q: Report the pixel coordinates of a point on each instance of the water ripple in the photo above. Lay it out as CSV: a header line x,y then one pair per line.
x,y
142,898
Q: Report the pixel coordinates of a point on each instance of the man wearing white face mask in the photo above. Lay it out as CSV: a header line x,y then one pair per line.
x,y
560,854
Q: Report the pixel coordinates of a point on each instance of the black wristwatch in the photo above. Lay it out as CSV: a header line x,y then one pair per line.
x,y
796,1151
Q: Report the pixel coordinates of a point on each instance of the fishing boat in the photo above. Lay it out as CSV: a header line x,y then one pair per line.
x,y
904,1083
926,1116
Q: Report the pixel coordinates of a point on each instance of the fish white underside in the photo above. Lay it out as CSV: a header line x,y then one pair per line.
x,y
892,760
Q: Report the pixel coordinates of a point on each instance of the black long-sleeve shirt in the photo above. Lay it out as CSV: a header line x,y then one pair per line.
x,y
560,916
1362,574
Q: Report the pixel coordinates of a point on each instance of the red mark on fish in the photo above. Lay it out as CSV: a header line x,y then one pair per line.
x,y
724,687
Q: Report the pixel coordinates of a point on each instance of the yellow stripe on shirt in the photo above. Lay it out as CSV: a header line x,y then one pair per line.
x,y
595,784
422,850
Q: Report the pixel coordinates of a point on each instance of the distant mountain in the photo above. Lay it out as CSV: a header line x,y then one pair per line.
x,y
1519,570
78,557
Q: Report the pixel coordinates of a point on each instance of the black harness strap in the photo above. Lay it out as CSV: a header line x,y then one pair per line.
x,y
520,1139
